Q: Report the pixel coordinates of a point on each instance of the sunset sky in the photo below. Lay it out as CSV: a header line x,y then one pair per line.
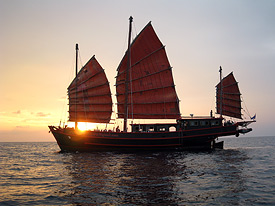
x,y
38,39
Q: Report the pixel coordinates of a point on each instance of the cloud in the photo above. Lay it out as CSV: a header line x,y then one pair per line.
x,y
63,98
41,114
22,127
17,112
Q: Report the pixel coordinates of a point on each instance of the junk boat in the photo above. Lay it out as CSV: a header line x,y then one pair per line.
x,y
144,90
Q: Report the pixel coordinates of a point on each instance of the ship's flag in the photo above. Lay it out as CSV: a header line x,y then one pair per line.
x,y
254,117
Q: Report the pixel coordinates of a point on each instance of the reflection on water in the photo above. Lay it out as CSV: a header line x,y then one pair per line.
x,y
36,174
28,173
168,178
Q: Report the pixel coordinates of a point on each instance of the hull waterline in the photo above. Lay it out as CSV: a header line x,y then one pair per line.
x,y
73,140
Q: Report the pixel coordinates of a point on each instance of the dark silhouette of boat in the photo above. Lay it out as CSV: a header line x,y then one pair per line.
x,y
144,90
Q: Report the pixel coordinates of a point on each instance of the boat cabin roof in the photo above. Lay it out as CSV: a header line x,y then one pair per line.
x,y
182,124
158,127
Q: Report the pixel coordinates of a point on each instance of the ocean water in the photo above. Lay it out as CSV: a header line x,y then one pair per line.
x,y
37,174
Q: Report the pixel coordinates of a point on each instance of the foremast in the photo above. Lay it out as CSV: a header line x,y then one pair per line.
x,y
76,65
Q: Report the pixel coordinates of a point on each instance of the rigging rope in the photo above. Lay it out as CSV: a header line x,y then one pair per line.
x,y
79,56
83,93
131,85
135,29
63,117
246,110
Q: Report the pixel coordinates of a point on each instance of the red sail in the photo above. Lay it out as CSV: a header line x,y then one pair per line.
x,y
92,102
152,92
231,97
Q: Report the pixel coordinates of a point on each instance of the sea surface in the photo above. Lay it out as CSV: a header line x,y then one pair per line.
x,y
38,174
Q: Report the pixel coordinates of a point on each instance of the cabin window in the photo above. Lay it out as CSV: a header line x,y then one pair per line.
x,y
172,129
139,128
161,129
214,122
136,128
194,123
185,123
151,129
204,123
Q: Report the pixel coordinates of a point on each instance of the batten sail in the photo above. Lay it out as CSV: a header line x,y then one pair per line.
x,y
91,100
152,93
230,99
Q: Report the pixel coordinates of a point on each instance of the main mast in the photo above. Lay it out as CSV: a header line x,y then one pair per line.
x,y
76,63
127,76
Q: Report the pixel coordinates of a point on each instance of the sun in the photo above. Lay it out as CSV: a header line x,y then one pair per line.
x,y
82,126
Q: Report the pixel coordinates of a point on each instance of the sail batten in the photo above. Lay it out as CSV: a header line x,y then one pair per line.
x,y
73,89
142,60
235,83
145,90
230,99
155,102
170,68
86,80
152,93
89,95
96,95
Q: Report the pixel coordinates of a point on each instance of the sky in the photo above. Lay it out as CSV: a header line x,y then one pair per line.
x,y
38,39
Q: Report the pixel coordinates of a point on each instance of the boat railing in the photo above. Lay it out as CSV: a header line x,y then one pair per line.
x,y
197,117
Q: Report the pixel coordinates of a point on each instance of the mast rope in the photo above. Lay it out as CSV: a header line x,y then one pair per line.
x,y
79,56
135,31
245,110
131,85
63,116
83,92
162,86
84,95
131,88
84,105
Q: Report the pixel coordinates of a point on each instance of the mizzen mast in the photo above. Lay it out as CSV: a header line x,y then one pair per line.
x,y
221,91
127,76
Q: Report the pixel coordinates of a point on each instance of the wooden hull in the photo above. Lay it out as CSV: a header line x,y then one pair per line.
x,y
70,139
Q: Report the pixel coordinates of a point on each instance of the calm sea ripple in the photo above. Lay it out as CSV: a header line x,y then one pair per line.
x,y
37,174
